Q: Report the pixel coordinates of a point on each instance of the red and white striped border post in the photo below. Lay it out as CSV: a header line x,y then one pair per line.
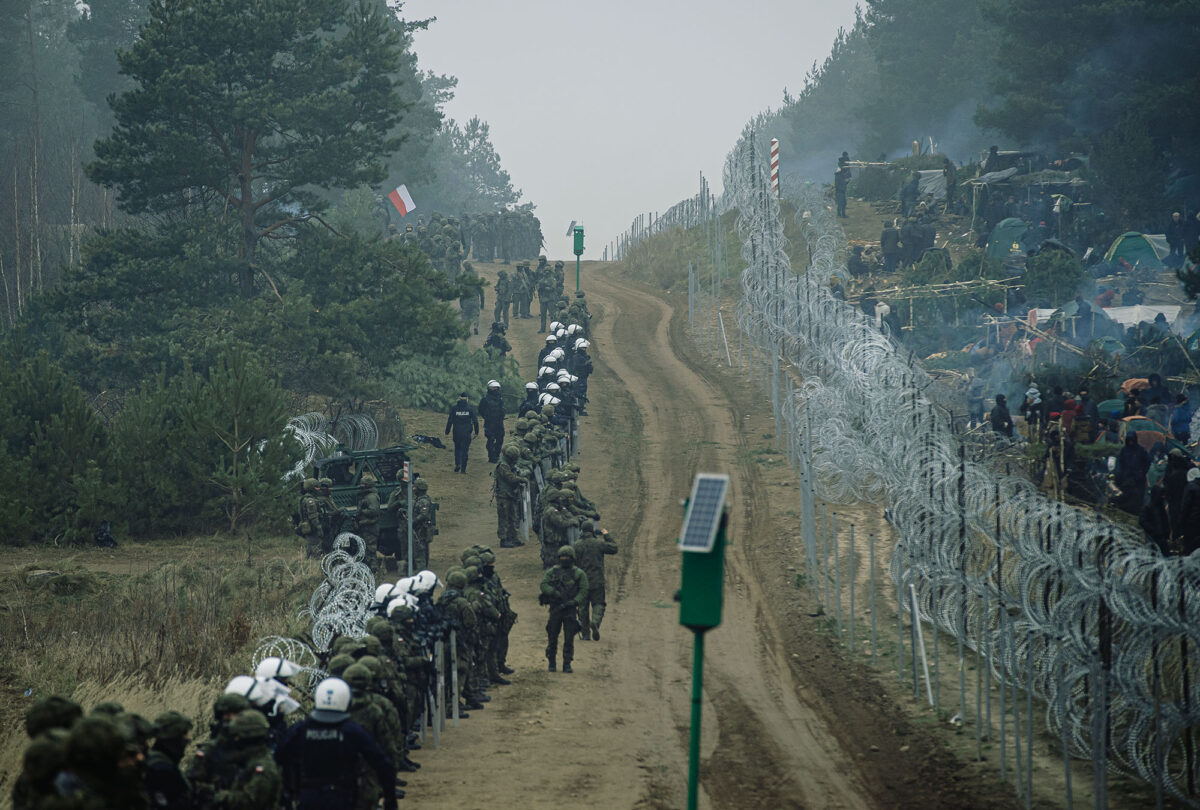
x,y
775,166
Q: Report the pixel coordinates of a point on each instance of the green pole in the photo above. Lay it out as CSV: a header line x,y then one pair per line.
x,y
697,694
577,273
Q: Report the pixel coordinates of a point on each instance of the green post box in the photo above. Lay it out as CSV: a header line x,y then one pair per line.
x,y
702,542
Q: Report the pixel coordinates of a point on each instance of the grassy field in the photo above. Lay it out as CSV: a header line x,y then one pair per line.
x,y
154,626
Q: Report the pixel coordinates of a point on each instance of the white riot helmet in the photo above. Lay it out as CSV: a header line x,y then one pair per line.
x,y
552,387
331,701
581,343
532,385
385,592
275,667
493,384
558,354
551,339
251,688
566,379
555,326
404,585
426,582
544,399
562,332
573,328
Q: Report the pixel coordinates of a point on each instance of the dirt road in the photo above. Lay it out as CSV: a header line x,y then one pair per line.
x,y
787,723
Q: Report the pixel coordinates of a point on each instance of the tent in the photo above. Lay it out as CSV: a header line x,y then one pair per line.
x,y
1137,250
1006,232
933,183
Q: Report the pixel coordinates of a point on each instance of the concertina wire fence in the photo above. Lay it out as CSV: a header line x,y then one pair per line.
x,y
1054,600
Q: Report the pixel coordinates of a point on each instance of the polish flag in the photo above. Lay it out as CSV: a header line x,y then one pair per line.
x,y
401,199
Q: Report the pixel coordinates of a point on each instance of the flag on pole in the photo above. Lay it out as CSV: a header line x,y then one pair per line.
x,y
402,200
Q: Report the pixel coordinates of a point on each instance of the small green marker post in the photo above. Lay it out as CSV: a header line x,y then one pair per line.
x,y
578,252
700,596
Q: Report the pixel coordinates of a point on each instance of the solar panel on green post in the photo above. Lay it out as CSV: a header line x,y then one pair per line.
x,y
703,513
703,543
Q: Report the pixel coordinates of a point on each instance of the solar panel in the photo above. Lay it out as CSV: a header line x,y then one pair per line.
x,y
703,516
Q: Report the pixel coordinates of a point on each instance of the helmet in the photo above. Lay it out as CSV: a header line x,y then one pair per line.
x,y
51,712
331,699
309,485
367,480
398,611
172,725
340,663
274,667
562,332
554,327
493,384
532,385
471,557
426,581
579,293
587,526
566,551
250,725
582,343
511,453
558,264
553,387
487,557
420,485
229,703
551,339
457,578
385,592
252,689
374,645
544,371
358,676
573,328
559,354
404,585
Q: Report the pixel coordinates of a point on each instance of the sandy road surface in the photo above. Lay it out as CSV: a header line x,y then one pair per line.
x,y
780,729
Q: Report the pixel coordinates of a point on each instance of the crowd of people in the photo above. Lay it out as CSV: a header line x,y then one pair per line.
x,y
1151,474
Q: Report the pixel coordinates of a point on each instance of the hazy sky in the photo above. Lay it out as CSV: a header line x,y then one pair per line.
x,y
601,110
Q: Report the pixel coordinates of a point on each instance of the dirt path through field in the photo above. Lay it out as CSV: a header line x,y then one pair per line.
x,y
614,733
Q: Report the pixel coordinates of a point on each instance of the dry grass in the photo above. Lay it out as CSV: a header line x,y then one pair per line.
x,y
156,638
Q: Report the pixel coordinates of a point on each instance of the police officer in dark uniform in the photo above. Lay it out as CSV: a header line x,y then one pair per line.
x,y
465,424
491,408
319,755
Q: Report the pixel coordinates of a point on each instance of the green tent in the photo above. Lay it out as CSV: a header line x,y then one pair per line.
x,y
1136,250
1006,232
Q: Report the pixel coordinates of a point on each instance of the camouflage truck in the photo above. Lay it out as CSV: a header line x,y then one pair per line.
x,y
346,468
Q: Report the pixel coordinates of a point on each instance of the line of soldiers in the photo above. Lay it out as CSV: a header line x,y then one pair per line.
x,y
320,520
517,290
502,235
443,240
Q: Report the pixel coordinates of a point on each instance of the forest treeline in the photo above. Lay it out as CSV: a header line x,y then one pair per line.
x,y
1113,80
194,247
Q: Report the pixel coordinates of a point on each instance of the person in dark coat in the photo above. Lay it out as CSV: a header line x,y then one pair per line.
x,y
841,180
889,245
530,403
1130,475
1154,520
464,422
491,410
1189,513
1001,419
1174,481
1175,241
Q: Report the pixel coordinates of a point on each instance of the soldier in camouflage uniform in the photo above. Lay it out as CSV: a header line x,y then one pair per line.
x,y
547,290
457,610
397,505
560,278
165,785
308,525
486,628
257,783
508,617
556,520
424,524
497,345
366,520
509,486
369,713
564,587
47,722
504,291
211,768
411,657
471,302
590,550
